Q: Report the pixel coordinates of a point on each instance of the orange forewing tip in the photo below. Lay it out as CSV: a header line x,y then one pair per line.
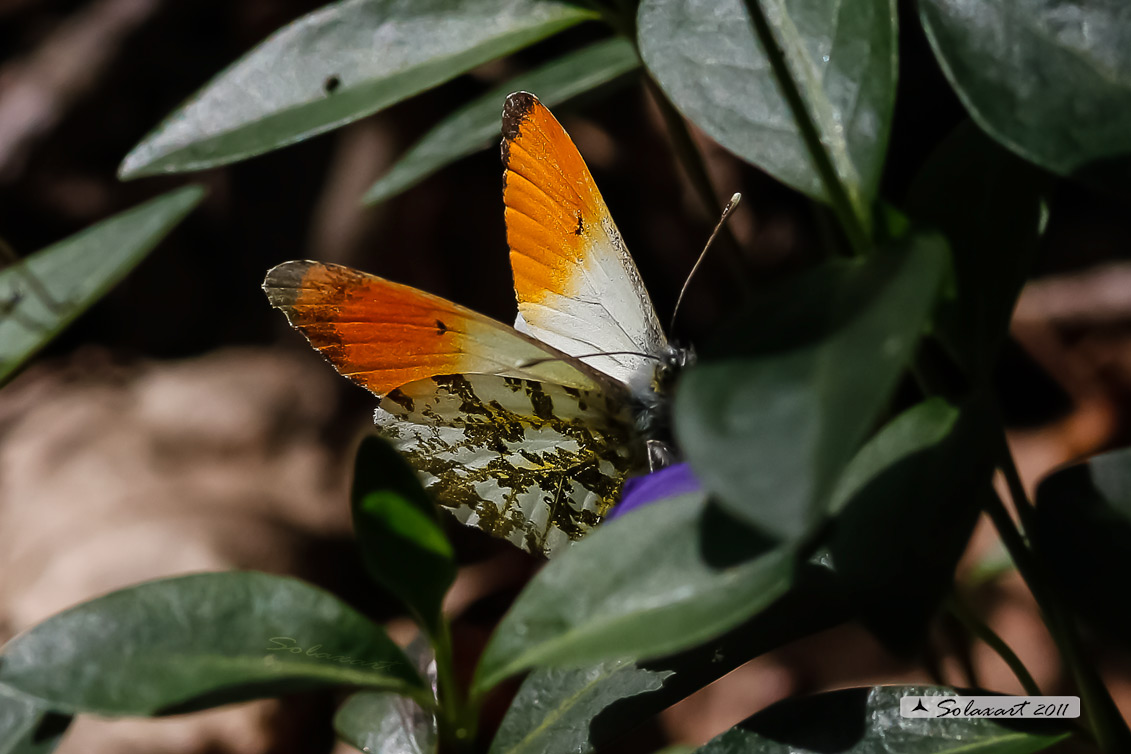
x,y
383,335
553,207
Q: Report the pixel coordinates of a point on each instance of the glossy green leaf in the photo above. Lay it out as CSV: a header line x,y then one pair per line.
x,y
1084,534
1050,79
27,726
399,531
669,576
796,383
555,707
560,711
382,722
340,63
987,202
44,293
476,125
897,541
199,641
867,721
917,429
705,56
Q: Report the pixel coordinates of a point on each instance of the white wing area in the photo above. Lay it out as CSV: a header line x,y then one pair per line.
x,y
535,463
605,308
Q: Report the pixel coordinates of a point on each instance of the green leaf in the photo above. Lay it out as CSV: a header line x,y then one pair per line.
x,y
45,292
1084,534
669,576
399,531
561,711
705,56
987,202
1050,79
554,708
28,726
199,641
381,722
896,543
338,64
867,721
917,429
770,425
476,125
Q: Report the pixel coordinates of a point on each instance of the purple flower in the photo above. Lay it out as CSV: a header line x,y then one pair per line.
x,y
665,483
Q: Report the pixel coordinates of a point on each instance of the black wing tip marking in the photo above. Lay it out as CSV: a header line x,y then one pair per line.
x,y
287,274
515,111
284,282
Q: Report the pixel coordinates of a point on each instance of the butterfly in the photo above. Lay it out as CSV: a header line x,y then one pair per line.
x,y
526,432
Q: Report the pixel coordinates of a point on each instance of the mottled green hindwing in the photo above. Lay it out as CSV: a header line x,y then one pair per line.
x,y
535,463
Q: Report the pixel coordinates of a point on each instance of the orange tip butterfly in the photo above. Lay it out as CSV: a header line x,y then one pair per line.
x,y
526,432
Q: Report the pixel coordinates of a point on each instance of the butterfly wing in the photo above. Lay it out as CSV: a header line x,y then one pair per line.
x,y
383,335
577,287
535,463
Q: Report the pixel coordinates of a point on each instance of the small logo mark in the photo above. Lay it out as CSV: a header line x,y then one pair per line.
x,y
1048,707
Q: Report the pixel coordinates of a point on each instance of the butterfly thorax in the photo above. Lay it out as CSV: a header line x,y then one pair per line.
x,y
653,409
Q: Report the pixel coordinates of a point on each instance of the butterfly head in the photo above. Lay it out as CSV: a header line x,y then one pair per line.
x,y
673,361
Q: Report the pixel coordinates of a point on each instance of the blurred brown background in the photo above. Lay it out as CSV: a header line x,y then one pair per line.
x,y
180,425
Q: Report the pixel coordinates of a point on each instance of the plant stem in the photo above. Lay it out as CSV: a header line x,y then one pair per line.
x,y
855,227
1017,493
1106,723
962,612
456,718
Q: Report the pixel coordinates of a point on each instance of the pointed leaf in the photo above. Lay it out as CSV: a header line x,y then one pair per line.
x,y
559,711
987,202
867,721
27,726
44,293
555,707
897,541
799,380
842,55
199,641
399,531
1084,529
382,722
1049,79
476,125
668,577
338,64
917,429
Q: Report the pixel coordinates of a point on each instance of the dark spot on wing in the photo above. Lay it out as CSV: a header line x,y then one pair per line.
x,y
580,225
402,400
331,84
441,328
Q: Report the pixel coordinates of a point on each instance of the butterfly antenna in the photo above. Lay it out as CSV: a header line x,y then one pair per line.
x,y
536,362
734,200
